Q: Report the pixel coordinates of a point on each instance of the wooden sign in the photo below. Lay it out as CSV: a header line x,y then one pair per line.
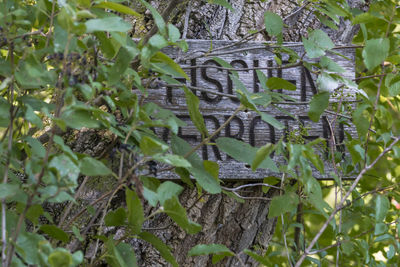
x,y
212,84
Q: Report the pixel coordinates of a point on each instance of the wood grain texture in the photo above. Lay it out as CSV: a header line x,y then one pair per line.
x,y
247,125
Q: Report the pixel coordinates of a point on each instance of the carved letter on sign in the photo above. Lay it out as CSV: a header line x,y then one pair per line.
x,y
216,91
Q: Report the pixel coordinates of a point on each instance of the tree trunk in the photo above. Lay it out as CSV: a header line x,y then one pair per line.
x,y
224,220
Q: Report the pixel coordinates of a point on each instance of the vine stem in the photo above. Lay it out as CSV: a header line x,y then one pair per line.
x,y
339,207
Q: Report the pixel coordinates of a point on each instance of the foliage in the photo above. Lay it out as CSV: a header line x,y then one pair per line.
x,y
71,65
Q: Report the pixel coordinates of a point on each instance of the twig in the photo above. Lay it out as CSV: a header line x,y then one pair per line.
x,y
53,6
352,187
7,166
287,66
249,185
251,198
208,139
283,222
68,209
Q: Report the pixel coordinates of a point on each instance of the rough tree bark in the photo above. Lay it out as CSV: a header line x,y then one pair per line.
x,y
224,220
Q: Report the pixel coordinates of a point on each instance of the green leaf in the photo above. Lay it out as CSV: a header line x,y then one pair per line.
x,y
135,211
93,167
157,17
381,207
77,234
121,64
271,120
317,43
283,204
60,258
380,228
212,168
327,82
55,232
392,81
391,252
150,146
8,190
4,112
359,119
174,160
243,152
258,258
77,118
168,190
261,154
318,104
158,41
118,7
204,178
273,23
173,208
164,64
330,65
173,33
223,3
115,218
65,167
375,52
31,116
193,103
243,93
121,255
161,247
110,24
219,251
275,83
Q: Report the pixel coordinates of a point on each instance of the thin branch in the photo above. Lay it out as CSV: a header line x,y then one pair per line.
x,y
68,209
53,7
287,66
186,21
208,139
352,187
251,198
249,185
7,166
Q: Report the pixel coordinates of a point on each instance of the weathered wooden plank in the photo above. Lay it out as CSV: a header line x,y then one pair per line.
x,y
247,125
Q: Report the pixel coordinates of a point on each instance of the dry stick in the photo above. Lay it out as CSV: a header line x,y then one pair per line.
x,y
339,207
68,209
7,167
76,216
102,221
